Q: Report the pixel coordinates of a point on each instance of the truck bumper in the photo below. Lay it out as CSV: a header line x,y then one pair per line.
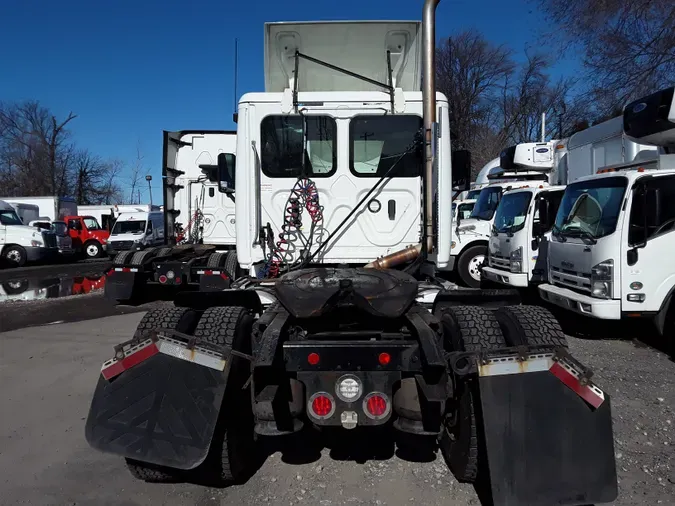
x,y
36,253
579,303
518,279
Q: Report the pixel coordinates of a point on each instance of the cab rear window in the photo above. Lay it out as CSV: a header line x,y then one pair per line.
x,y
297,145
378,142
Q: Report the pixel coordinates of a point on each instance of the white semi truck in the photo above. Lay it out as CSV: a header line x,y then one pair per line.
x,y
518,244
342,217
528,164
610,255
20,243
199,249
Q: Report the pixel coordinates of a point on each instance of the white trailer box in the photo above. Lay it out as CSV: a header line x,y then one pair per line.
x,y
51,208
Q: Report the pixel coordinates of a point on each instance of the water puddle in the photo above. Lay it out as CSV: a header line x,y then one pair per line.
x,y
49,288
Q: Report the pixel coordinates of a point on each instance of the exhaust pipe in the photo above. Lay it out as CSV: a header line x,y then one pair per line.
x,y
429,107
393,259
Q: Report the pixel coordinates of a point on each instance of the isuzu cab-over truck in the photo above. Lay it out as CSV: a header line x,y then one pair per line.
x,y
343,180
610,254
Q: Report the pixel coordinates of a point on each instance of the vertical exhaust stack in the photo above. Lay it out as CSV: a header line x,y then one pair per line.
x,y
429,100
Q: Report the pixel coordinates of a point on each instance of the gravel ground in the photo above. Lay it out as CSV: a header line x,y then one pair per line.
x,y
48,375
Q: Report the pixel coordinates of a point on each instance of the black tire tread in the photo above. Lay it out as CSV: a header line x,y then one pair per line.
x,y
232,265
216,259
151,473
477,330
122,257
177,318
163,252
140,257
534,325
222,326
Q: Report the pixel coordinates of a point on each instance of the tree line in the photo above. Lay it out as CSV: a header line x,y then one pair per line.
x,y
626,49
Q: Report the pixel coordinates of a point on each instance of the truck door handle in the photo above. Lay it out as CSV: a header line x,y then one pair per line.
x,y
391,206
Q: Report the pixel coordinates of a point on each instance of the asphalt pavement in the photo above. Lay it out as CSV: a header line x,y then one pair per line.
x,y
49,372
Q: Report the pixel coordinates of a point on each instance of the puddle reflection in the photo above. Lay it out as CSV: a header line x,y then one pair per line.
x,y
49,288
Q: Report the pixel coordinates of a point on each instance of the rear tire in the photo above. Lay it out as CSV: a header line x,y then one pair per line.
x,y
140,257
174,318
123,257
232,265
469,264
232,447
466,328
164,252
533,325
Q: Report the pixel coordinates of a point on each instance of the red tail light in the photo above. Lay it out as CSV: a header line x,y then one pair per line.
x,y
177,281
321,405
313,358
384,358
376,405
162,279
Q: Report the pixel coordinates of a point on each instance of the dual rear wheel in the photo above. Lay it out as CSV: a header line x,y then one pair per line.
x,y
473,328
232,446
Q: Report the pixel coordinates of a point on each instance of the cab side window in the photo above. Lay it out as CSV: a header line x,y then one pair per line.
x,y
653,214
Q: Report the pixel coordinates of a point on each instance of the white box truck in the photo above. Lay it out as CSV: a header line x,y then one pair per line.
x,y
51,208
610,255
20,243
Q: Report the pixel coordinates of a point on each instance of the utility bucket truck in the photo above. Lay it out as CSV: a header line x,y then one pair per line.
x,y
609,255
336,170
521,165
199,224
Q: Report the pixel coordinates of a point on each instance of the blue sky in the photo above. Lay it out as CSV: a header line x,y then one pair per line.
x,y
130,69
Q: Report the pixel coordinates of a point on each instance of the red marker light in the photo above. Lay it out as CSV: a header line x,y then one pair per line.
x,y
384,358
177,281
162,279
313,358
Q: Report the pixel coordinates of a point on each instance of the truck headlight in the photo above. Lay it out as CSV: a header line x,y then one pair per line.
x,y
601,279
516,260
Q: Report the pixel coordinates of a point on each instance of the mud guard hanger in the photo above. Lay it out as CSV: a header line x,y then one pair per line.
x,y
389,87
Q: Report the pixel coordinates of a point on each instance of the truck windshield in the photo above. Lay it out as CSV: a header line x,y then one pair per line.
x,y
473,194
60,228
10,218
591,208
512,211
128,227
91,223
463,211
487,203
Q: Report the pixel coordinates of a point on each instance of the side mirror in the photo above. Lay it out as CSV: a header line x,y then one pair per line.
x,y
148,232
226,173
461,168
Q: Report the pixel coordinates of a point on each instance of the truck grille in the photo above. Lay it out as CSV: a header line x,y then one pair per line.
x,y
121,245
49,239
577,281
500,262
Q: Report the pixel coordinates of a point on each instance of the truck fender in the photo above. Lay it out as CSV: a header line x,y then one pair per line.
x,y
667,307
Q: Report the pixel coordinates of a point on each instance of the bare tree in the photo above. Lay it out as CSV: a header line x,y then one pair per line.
x,y
136,175
628,46
35,149
94,179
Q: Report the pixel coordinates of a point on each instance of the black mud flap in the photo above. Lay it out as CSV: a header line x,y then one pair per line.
x,y
544,444
122,285
162,411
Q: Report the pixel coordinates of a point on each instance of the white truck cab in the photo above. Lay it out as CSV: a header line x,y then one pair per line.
x,y
136,231
526,165
517,251
610,251
21,243
463,208
327,140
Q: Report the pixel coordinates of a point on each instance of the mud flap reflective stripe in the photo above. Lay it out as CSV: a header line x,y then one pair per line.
x,y
544,443
559,367
137,353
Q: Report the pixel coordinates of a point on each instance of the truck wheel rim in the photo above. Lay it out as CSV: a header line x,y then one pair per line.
x,y
474,266
92,250
14,255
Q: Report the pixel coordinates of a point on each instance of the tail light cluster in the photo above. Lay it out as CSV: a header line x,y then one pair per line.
x,y
349,389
